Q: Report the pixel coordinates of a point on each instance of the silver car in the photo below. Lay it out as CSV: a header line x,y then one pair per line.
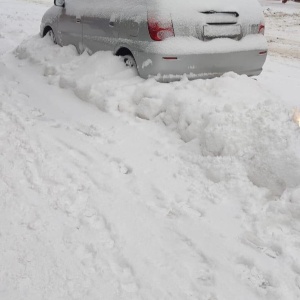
x,y
165,39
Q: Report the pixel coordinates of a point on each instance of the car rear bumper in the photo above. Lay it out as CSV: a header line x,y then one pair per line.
x,y
166,68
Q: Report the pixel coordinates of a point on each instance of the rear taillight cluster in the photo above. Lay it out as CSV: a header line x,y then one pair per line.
x,y
261,28
160,26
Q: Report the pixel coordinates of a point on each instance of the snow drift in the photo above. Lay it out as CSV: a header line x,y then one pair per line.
x,y
231,116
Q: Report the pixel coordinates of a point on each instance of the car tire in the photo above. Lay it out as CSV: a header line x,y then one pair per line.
x,y
51,34
129,61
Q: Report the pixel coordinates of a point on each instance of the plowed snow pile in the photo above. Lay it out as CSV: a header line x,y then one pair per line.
x,y
113,187
227,117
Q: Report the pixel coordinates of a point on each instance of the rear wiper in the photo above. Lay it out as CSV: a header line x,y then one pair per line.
x,y
210,12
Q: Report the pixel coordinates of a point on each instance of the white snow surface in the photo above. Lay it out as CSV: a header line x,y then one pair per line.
x,y
115,187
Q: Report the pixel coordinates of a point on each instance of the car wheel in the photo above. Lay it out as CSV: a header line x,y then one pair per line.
x,y
129,61
51,34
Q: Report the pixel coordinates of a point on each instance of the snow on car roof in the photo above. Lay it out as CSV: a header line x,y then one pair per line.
x,y
249,9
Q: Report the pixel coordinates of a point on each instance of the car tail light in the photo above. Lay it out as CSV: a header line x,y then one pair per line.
x,y
160,26
261,28
263,52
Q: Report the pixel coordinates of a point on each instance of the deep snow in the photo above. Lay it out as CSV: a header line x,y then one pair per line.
x,y
113,187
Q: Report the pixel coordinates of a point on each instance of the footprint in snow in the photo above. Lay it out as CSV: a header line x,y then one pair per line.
x,y
96,133
120,167
251,275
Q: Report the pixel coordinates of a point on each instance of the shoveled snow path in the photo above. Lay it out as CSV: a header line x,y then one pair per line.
x,y
101,205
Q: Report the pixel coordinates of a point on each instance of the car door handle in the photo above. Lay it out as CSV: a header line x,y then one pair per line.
x,y
112,20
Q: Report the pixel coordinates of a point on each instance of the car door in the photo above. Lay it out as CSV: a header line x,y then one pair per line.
x,y
101,25
70,26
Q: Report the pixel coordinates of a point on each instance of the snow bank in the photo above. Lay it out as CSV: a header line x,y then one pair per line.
x,y
230,117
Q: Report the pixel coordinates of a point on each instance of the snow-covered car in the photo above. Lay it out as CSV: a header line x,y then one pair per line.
x,y
165,39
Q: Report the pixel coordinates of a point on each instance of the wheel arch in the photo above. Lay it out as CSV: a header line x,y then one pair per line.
x,y
47,28
122,51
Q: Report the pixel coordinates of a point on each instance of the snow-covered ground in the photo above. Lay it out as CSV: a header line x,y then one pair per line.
x,y
113,187
283,22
